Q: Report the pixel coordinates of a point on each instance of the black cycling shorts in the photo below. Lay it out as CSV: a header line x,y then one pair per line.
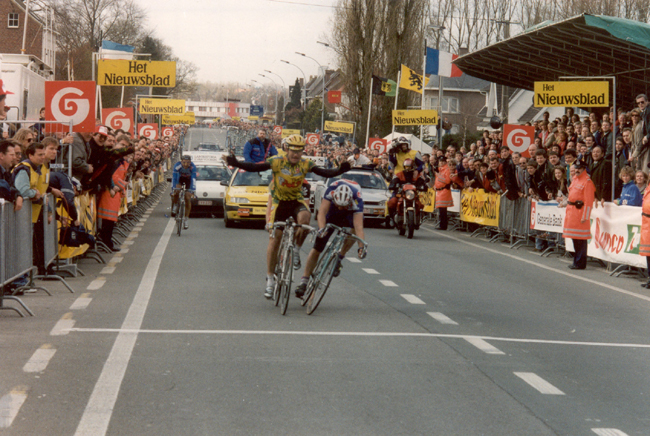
x,y
340,220
286,209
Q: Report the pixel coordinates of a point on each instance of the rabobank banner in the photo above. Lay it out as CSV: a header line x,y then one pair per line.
x,y
546,216
559,94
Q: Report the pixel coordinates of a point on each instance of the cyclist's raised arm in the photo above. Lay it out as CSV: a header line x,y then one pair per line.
x,y
247,166
323,172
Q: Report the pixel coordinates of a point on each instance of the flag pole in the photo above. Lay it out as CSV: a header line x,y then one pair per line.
x,y
369,112
399,79
424,85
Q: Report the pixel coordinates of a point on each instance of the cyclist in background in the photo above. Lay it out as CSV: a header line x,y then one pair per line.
x,y
288,201
342,206
184,175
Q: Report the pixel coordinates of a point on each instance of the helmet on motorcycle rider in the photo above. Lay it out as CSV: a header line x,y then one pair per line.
x,y
403,140
342,196
408,165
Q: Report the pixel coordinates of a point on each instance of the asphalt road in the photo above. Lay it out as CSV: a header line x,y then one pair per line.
x,y
440,335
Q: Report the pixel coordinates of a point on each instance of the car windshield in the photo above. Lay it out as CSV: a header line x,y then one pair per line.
x,y
315,177
212,172
366,181
244,178
211,147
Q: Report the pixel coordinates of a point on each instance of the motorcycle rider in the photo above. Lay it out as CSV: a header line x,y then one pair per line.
x,y
402,151
408,175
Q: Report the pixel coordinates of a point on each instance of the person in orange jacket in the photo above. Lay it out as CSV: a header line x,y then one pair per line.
x,y
644,245
444,178
577,224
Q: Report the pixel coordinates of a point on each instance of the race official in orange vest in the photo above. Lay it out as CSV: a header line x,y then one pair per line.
x,y
644,246
444,179
577,225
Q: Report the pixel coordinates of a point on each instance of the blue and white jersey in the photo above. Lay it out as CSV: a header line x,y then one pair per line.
x,y
184,176
355,207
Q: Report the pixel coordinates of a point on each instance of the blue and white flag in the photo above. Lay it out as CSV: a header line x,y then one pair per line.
x,y
113,50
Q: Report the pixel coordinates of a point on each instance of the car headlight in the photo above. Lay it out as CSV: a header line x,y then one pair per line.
x,y
410,195
382,203
239,199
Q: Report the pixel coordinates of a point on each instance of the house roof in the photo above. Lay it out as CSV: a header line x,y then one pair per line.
x,y
464,82
585,45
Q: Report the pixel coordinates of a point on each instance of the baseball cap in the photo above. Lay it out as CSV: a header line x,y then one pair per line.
x,y
3,90
356,151
102,130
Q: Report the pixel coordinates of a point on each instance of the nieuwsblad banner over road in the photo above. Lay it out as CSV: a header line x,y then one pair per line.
x,y
419,117
159,74
560,94
186,118
339,126
162,106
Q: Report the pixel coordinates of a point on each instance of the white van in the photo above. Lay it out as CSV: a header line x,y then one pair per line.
x,y
210,171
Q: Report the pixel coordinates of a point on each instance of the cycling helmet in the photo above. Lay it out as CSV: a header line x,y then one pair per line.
x,y
408,164
295,142
342,196
186,157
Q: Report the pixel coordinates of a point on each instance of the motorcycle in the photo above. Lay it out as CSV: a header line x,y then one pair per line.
x,y
408,215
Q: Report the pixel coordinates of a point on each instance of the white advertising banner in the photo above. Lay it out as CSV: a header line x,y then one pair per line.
x,y
615,235
455,195
546,216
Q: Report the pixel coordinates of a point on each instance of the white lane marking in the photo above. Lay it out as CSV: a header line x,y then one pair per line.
x,y
549,268
10,405
127,243
39,360
82,302
370,270
353,259
116,259
388,283
108,270
124,250
412,299
442,318
608,432
96,284
140,224
361,334
99,409
135,229
539,383
484,346
63,326
132,235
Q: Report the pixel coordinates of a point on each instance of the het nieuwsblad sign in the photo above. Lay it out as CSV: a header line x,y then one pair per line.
x,y
186,118
162,106
418,117
160,74
340,127
562,94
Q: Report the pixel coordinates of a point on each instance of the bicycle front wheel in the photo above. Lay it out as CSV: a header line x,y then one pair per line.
x,y
321,283
179,218
287,276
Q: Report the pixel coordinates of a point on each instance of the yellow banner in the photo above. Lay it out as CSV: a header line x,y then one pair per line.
x,y
254,118
428,200
411,80
162,106
480,207
288,132
160,74
187,118
417,117
563,94
338,126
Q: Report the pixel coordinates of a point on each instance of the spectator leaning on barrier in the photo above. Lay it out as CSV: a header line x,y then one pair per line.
x,y
630,194
509,171
7,190
601,174
577,224
81,167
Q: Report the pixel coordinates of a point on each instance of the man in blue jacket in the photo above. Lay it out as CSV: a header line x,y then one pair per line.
x,y
259,149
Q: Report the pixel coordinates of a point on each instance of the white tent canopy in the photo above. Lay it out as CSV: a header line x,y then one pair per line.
x,y
416,144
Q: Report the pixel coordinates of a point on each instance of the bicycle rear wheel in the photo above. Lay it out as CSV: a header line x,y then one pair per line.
x,y
179,218
287,276
321,284
278,276
312,279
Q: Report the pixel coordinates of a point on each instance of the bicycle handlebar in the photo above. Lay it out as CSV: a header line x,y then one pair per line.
x,y
283,224
350,235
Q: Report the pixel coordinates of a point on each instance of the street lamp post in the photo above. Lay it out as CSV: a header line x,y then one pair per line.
x,y
322,115
304,84
276,96
284,103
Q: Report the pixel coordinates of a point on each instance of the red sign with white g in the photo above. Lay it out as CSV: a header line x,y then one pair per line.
x,y
118,118
519,138
148,130
70,101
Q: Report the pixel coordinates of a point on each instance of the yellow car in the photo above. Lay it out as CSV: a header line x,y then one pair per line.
x,y
246,197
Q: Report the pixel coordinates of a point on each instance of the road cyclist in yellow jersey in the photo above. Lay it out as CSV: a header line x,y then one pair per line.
x,y
287,198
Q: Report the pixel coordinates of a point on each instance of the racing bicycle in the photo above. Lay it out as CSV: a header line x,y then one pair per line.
x,y
180,212
284,266
320,279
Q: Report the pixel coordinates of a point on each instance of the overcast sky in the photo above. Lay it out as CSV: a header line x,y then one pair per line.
x,y
235,40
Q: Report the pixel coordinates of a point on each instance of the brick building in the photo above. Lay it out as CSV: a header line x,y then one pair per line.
x,y
12,24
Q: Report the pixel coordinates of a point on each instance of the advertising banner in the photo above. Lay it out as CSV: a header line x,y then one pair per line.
x,y
615,235
416,117
167,131
519,138
339,126
334,97
288,132
277,130
546,216
119,118
256,110
480,207
312,138
186,118
70,101
160,74
379,144
560,94
455,195
428,200
149,130
161,106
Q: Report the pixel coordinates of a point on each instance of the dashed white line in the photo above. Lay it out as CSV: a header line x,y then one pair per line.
x,y
353,259
539,383
388,283
136,229
108,270
96,284
127,243
63,326
370,270
82,302
608,432
442,318
412,299
10,405
484,346
124,250
116,259
39,360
